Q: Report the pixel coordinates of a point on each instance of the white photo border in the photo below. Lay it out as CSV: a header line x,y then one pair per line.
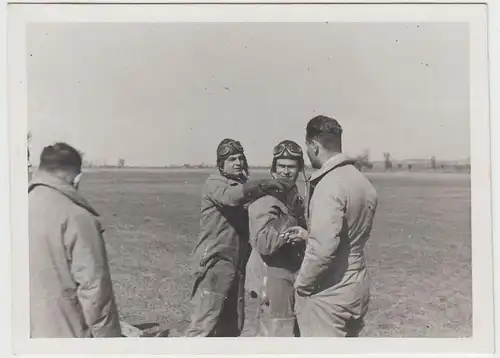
x,y
476,14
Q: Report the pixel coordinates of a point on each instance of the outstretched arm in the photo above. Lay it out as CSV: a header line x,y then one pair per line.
x,y
224,194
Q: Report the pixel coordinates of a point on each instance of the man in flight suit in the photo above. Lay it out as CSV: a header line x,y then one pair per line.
x,y
71,292
217,301
332,286
274,262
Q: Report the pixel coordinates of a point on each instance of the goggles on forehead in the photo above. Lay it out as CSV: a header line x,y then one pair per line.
x,y
294,149
230,147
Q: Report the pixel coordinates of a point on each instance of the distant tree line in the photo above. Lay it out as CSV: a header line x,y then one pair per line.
x,y
388,164
362,162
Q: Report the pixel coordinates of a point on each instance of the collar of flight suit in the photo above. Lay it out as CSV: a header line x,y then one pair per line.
x,y
332,163
42,178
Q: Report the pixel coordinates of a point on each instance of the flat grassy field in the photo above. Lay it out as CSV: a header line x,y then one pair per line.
x,y
419,254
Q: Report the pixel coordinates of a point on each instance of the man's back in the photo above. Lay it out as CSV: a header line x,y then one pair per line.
x,y
52,287
71,292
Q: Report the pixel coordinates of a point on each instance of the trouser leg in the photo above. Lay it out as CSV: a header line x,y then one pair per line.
x,y
241,301
230,319
338,312
317,318
252,307
211,301
354,327
277,317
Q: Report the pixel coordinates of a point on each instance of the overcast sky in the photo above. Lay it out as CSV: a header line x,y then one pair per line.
x,y
157,94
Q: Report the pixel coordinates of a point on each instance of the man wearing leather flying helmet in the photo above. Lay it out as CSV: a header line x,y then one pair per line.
x,y
217,300
274,261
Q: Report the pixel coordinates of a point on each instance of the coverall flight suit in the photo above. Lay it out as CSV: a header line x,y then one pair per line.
x,y
272,267
71,292
220,256
332,285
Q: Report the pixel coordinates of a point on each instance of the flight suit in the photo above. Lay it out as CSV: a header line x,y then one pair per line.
x,y
217,298
332,285
272,267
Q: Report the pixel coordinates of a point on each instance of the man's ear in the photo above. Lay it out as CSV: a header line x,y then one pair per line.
x,y
76,180
315,144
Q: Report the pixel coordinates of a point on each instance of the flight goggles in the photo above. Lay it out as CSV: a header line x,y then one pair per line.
x,y
232,147
291,147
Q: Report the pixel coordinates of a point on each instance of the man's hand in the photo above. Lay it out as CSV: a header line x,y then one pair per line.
x,y
295,234
254,189
280,185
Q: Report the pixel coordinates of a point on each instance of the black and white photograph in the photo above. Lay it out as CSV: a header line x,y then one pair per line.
x,y
297,177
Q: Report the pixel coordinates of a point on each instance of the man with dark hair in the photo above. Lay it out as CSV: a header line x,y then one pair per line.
x,y
332,286
71,292
217,300
274,261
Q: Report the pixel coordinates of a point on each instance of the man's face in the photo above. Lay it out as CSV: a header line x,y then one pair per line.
x,y
234,165
287,169
312,150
